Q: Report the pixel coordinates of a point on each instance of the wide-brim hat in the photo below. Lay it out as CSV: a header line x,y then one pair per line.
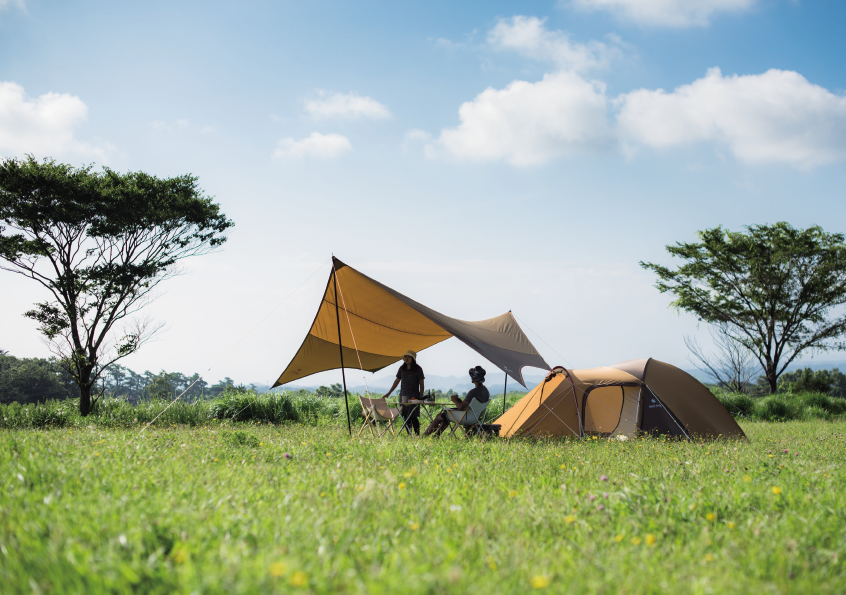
x,y
411,354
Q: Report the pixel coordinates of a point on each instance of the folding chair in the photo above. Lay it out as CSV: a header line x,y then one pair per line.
x,y
471,418
376,411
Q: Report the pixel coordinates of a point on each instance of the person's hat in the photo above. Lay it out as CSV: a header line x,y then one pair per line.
x,y
410,354
477,374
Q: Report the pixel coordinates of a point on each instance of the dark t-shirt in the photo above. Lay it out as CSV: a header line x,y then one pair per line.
x,y
410,385
480,393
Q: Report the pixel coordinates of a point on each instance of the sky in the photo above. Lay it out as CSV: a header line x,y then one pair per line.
x,y
478,157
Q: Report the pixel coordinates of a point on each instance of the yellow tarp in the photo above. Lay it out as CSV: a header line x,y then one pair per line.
x,y
378,325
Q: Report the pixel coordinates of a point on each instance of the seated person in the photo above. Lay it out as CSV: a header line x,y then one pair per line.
x,y
480,393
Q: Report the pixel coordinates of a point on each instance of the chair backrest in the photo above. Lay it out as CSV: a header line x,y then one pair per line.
x,y
365,403
380,408
478,407
473,416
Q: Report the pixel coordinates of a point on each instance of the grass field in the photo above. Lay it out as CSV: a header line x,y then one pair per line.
x,y
299,508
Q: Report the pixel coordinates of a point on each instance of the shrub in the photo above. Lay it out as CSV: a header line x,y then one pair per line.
x,y
775,408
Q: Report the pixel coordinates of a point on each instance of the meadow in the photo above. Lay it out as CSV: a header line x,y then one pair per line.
x,y
96,505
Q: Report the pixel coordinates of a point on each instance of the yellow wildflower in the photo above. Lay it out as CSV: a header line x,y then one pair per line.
x,y
299,579
650,539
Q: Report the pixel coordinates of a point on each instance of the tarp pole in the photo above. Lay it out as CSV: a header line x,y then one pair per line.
x,y
504,392
340,345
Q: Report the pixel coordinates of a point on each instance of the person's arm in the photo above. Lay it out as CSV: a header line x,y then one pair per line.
x,y
459,404
422,392
396,381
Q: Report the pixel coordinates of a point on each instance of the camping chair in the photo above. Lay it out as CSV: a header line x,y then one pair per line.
x,y
376,411
470,419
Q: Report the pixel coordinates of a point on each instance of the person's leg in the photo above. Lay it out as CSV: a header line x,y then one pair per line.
x,y
435,426
415,423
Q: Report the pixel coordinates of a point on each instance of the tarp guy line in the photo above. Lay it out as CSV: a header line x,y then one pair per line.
x,y
233,347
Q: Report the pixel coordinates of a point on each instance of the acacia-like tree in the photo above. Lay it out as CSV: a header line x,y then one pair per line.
x,y
773,289
100,243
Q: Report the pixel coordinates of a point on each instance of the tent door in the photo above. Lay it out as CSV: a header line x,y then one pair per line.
x,y
602,406
655,418
628,416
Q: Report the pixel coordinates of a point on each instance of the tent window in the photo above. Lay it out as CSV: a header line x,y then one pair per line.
x,y
602,408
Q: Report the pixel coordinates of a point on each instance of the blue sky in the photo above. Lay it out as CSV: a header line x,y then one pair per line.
x,y
479,158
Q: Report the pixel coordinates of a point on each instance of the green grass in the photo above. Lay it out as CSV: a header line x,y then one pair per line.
x,y
220,509
239,406
783,407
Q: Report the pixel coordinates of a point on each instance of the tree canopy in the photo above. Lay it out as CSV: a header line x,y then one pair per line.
x,y
774,288
99,242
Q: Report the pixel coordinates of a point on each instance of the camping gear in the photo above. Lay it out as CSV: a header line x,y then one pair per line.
x,y
632,397
471,418
370,326
376,411
490,429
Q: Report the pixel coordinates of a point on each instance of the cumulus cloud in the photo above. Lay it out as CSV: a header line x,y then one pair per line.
x,y
775,117
316,145
530,37
345,105
43,126
530,123
666,13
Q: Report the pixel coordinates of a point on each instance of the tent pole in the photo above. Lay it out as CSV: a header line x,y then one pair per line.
x,y
340,345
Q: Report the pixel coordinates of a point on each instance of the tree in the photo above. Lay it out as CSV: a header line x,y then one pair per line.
x,y
773,287
100,243
31,380
733,366
333,391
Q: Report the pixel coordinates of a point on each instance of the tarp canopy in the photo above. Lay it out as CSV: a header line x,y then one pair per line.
x,y
378,325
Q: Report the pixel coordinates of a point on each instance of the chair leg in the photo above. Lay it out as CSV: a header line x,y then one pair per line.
x,y
458,423
365,424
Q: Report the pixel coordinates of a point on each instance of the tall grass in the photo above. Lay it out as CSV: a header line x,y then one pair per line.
x,y
309,408
240,406
783,407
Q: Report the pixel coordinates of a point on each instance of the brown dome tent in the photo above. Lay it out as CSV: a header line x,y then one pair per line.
x,y
635,396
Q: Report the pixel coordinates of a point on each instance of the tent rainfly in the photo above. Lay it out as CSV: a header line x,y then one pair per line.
x,y
628,398
364,324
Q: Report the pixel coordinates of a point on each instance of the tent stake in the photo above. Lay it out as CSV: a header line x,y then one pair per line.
x,y
340,345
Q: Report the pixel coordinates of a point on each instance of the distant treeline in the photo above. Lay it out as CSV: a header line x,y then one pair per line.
x,y
830,382
35,380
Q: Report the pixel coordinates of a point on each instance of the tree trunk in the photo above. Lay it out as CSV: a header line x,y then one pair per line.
x,y
772,378
85,392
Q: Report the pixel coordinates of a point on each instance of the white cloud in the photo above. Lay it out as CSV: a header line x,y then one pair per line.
x,y
43,126
666,13
530,123
345,105
319,146
529,37
775,117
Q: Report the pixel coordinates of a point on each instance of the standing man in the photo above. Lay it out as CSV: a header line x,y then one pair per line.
x,y
411,376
